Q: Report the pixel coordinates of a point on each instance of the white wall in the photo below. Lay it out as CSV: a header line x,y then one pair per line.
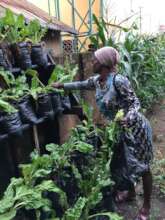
x,y
152,11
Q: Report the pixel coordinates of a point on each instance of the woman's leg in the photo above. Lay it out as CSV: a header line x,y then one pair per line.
x,y
147,188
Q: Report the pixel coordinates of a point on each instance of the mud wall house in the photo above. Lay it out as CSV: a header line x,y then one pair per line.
x,y
31,11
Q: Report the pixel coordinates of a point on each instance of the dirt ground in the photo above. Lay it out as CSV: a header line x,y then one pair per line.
x,y
130,209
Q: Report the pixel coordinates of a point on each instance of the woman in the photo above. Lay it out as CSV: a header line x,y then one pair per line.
x,y
133,153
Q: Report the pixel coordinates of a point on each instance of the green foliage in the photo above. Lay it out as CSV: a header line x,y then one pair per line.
x,y
111,216
143,62
158,170
104,37
91,176
113,129
100,38
6,107
17,88
36,86
7,76
75,212
14,29
64,73
19,195
35,31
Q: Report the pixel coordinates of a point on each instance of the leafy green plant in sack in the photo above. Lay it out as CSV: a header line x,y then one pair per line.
x,y
17,93
41,95
9,119
20,195
36,33
93,175
31,191
16,32
62,74
28,192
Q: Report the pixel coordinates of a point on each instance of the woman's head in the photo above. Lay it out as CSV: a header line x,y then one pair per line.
x,y
105,57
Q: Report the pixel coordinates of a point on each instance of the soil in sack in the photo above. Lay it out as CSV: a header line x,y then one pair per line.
x,y
39,55
44,106
11,123
21,53
27,112
56,103
3,60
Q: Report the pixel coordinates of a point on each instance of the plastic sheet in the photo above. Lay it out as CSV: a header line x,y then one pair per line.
x,y
66,102
27,112
74,99
11,123
56,103
2,60
44,106
22,56
94,140
39,56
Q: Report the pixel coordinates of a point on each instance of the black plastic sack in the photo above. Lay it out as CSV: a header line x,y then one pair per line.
x,y
94,140
3,62
74,99
2,132
21,53
44,106
11,123
39,56
56,103
66,104
26,109
66,180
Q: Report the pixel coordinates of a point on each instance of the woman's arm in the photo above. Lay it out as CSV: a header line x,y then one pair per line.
x,y
128,97
88,84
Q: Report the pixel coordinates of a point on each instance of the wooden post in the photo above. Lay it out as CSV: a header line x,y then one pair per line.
x,y
36,139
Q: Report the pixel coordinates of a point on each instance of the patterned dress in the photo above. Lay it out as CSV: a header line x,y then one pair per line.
x,y
134,151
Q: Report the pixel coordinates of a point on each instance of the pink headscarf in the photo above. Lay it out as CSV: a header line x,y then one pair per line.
x,y
108,56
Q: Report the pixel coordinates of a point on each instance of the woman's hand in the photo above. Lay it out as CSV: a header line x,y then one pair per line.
x,y
58,85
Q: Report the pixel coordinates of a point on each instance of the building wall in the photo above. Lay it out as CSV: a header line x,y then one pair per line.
x,y
66,13
53,42
66,9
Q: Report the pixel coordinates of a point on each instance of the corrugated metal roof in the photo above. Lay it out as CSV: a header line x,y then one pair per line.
x,y
31,11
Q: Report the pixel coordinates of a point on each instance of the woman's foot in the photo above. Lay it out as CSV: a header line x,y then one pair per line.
x,y
124,196
143,214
